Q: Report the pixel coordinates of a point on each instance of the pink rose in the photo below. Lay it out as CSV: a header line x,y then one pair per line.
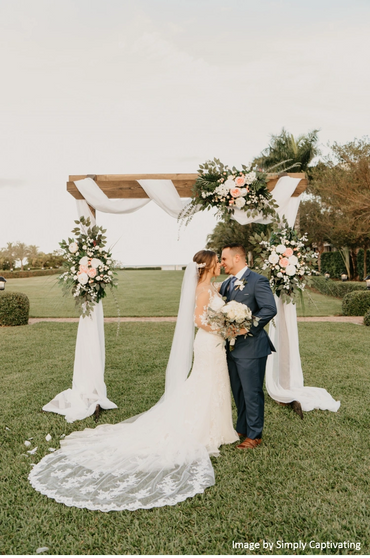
x,y
92,272
235,192
240,181
84,269
231,202
288,252
284,262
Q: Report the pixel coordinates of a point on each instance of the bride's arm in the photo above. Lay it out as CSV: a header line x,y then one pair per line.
x,y
200,314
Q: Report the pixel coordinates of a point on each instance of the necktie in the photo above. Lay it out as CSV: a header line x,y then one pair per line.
x,y
232,284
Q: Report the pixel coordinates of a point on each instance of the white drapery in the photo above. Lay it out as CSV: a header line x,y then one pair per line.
x,y
88,386
284,376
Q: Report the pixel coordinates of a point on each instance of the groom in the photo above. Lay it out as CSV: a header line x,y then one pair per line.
x,y
247,361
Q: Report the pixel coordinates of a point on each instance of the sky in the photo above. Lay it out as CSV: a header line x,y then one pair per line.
x,y
160,86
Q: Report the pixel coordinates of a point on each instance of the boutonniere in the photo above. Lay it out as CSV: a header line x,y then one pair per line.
x,y
240,284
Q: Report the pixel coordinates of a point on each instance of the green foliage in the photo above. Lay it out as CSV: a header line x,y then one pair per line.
x,y
14,309
356,303
286,152
333,263
367,318
360,263
335,288
230,232
30,273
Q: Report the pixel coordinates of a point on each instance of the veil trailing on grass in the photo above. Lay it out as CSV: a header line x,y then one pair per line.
x,y
151,460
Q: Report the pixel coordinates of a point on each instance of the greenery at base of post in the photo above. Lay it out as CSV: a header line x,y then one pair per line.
x,y
14,309
356,303
335,288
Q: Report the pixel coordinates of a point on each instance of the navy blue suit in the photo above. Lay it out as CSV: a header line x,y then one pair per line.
x,y
247,362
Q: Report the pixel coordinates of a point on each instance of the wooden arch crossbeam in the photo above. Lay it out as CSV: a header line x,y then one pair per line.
x,y
121,186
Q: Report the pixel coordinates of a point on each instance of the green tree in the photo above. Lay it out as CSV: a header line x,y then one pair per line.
x,y
230,232
32,255
342,187
286,152
20,252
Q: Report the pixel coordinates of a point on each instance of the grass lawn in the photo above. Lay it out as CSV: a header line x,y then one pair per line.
x,y
140,293
309,480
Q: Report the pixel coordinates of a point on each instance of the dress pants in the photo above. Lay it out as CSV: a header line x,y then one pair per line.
x,y
246,378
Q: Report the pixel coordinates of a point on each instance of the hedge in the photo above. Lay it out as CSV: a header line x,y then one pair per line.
x,y
336,288
14,309
35,273
356,303
367,318
332,262
360,263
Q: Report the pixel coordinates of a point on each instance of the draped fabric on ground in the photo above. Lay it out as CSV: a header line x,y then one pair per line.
x,y
88,386
284,376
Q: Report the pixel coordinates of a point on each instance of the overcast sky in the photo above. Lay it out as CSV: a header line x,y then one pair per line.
x,y
142,86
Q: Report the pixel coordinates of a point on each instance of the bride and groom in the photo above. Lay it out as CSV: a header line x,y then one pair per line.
x,y
162,456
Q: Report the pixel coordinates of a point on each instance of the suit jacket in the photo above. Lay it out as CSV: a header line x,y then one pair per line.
x,y
257,295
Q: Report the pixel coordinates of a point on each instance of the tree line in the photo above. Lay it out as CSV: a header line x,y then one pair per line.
x,y
29,255
336,205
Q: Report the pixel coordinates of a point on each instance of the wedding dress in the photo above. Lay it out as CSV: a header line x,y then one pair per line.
x,y
162,456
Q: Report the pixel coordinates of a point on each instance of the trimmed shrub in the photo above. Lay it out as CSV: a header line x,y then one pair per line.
x,y
360,263
335,288
35,273
356,303
367,318
14,309
332,262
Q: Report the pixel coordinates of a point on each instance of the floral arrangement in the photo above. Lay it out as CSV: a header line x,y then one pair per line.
x,y
229,318
89,266
227,189
286,261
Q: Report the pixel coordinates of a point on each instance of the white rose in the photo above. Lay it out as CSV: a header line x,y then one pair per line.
x,y
230,184
290,270
273,258
84,246
243,191
280,249
240,202
83,278
84,261
95,262
293,260
73,247
250,177
279,274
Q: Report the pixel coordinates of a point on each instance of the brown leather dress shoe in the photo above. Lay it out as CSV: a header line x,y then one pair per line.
x,y
297,408
241,435
249,443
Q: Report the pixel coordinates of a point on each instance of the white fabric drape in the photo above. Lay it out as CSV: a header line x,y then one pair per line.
x,y
88,387
284,376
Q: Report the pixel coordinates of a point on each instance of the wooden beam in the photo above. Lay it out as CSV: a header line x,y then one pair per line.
x,y
118,186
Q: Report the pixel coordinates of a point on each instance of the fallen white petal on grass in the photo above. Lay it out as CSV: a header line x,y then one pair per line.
x,y
42,549
48,437
27,444
63,436
51,449
6,428
31,452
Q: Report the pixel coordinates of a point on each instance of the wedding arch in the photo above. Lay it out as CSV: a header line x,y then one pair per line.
x,y
128,193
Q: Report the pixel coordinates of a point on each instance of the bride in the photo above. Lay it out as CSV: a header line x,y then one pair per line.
x,y
162,456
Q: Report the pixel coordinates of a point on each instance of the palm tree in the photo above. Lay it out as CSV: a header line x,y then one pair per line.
x,y
20,252
286,152
32,255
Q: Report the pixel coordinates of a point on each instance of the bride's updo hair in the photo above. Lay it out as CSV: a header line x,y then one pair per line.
x,y
206,260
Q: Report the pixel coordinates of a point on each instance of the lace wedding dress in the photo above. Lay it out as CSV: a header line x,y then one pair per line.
x,y
158,458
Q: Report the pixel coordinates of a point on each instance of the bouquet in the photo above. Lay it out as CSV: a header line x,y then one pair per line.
x,y
219,186
89,266
229,318
287,261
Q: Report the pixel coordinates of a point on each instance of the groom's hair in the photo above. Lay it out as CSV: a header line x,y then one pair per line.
x,y
236,249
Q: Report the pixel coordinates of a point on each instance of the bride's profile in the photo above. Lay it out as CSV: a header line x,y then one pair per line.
x,y
162,456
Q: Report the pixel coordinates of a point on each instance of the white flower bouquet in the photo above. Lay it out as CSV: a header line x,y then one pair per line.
x,y
287,261
219,186
89,266
229,318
